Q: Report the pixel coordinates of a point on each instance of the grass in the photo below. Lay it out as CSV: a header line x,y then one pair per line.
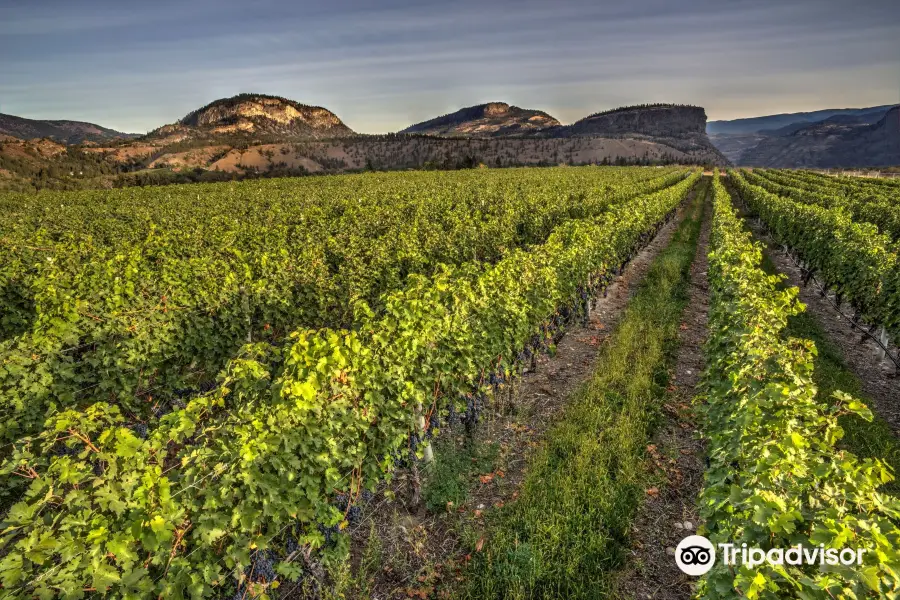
x,y
567,533
865,439
454,472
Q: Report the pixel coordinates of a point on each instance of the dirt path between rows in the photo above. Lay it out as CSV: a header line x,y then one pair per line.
x,y
670,511
878,380
422,552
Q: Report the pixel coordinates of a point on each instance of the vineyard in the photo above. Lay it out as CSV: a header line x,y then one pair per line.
x,y
204,386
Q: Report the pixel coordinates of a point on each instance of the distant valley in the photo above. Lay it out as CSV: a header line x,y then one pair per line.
x,y
834,138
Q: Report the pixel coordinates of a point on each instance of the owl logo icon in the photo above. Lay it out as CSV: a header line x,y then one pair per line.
x,y
695,555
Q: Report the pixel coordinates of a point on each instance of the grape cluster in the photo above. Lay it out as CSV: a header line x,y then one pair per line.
x,y
262,567
354,515
60,449
161,410
413,446
140,430
98,468
474,406
452,415
330,534
399,461
291,545
434,422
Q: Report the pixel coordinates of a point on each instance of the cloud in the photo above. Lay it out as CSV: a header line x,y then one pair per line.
x,y
387,66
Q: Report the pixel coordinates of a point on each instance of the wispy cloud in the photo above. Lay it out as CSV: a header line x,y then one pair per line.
x,y
381,68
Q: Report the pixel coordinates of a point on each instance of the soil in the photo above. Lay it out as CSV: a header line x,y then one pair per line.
x,y
670,512
878,379
423,552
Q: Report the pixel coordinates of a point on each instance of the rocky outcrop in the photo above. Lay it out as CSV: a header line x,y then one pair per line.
x,y
677,126
256,115
657,120
494,119
65,132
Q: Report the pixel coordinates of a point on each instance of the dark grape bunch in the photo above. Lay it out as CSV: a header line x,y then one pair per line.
x,y
140,430
61,449
474,406
161,410
434,422
330,534
291,545
262,567
452,415
413,446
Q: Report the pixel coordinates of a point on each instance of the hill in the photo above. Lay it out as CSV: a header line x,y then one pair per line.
x,y
834,142
66,132
256,135
771,122
677,126
738,139
255,115
493,119
675,129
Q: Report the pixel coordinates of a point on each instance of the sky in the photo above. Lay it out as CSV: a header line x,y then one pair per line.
x,y
381,66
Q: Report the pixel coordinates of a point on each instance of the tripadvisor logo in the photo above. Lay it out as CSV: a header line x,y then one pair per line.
x,y
695,555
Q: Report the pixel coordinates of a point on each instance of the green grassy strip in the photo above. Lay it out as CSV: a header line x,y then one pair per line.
x,y
865,439
567,532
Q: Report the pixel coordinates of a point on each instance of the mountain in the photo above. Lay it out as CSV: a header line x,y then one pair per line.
x,y
739,139
493,119
255,115
770,122
676,127
66,132
256,135
838,141
659,120
863,118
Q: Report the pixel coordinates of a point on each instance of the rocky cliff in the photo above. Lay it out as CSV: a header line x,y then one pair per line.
x,y
658,120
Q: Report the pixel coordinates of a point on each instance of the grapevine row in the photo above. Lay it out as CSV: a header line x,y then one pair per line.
x,y
858,263
134,308
863,204
252,468
776,476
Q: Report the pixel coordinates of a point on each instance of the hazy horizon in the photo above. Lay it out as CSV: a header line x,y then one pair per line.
x,y
384,68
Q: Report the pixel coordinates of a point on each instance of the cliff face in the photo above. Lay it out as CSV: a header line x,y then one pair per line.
x,y
680,127
257,114
832,143
485,120
660,120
